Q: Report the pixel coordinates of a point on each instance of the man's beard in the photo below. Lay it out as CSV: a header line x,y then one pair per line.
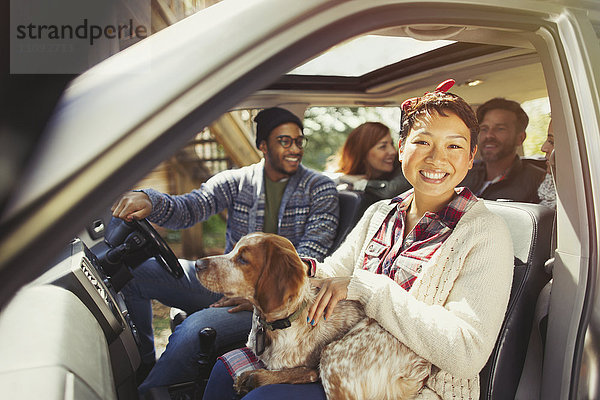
x,y
281,170
504,150
277,165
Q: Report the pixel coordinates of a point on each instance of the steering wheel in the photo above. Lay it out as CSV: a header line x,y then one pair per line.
x,y
133,242
159,248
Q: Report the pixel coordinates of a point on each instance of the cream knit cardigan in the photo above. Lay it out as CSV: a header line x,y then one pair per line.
x,y
454,311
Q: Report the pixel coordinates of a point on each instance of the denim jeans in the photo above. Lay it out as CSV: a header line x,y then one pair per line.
x,y
220,387
179,361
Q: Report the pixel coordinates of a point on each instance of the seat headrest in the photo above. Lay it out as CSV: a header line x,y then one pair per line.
x,y
530,226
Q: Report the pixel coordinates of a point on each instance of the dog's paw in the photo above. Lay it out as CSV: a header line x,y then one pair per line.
x,y
247,381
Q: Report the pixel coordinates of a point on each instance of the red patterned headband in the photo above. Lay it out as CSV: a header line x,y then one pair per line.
x,y
442,87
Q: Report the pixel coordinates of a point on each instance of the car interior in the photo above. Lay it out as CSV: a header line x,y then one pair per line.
x,y
65,326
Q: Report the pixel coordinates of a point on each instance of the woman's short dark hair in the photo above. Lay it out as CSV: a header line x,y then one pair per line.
x,y
440,103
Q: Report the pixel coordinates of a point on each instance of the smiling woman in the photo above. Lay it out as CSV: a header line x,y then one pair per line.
x,y
368,161
380,155
437,151
425,266
436,156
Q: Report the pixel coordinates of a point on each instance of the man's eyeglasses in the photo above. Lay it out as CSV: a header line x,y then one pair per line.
x,y
286,141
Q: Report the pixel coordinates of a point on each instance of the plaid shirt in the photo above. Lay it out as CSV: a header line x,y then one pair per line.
x,y
402,260
240,360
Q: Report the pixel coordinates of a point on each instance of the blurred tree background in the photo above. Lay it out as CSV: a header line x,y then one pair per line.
x,y
539,117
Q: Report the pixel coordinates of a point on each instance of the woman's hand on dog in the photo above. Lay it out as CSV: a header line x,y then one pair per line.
x,y
132,205
331,291
239,303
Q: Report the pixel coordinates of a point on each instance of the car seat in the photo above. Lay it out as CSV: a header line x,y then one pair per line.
x,y
531,227
350,212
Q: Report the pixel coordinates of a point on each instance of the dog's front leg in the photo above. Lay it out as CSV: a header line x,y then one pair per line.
x,y
252,379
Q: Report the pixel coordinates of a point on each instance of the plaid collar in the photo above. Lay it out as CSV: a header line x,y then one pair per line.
x,y
450,214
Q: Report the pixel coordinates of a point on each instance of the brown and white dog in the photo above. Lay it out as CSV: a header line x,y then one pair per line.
x,y
356,357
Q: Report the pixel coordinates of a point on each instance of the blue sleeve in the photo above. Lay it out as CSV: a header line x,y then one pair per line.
x,y
322,223
183,211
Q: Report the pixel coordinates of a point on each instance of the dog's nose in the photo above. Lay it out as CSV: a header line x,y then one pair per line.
x,y
201,264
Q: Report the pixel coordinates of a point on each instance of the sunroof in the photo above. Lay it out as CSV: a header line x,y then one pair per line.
x,y
365,54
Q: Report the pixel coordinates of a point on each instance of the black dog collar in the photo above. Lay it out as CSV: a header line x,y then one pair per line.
x,y
284,322
259,339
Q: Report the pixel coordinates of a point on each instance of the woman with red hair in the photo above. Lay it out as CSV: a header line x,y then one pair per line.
x,y
368,161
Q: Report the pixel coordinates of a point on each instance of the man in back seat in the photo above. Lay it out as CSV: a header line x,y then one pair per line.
x,y
501,174
276,195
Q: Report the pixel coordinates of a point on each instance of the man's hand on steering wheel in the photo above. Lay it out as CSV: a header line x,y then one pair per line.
x,y
133,208
132,205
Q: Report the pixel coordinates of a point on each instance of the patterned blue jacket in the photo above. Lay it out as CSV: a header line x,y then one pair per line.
x,y
308,215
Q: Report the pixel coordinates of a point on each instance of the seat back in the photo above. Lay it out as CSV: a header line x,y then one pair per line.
x,y
350,213
531,228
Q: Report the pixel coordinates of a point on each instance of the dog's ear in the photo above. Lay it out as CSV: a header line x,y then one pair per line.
x,y
282,274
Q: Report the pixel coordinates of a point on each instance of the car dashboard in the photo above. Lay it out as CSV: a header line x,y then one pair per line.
x,y
68,335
